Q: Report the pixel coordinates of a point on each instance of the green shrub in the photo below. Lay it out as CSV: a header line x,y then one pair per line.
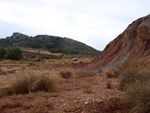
x,y
31,64
14,53
46,57
2,52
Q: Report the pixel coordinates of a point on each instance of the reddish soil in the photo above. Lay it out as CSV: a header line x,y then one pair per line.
x,y
132,44
71,98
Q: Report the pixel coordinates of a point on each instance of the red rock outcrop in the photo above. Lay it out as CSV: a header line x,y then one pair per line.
x,y
132,44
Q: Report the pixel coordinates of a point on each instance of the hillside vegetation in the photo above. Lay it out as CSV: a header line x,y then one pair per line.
x,y
54,44
134,80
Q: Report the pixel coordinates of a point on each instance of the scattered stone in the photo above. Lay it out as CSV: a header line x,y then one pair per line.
x,y
86,103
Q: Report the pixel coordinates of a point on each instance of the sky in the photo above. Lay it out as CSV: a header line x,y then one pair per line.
x,y
93,22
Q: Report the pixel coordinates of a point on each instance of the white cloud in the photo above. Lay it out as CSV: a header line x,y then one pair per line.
x,y
94,22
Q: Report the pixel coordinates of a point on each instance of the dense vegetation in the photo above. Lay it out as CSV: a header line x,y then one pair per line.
x,y
135,81
2,52
13,53
54,44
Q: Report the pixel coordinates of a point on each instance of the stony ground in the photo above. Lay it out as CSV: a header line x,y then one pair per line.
x,y
74,95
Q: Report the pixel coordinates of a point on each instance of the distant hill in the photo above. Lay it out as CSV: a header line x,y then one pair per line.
x,y
52,43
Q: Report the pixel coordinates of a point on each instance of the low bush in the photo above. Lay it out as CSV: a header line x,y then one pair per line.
x,y
14,53
2,52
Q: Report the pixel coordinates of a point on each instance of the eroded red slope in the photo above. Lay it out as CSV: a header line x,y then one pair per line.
x,y
132,44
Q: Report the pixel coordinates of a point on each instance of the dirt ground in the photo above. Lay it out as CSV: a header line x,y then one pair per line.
x,y
74,95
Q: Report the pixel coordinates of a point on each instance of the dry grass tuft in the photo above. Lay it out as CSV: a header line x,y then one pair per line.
x,y
88,89
137,98
40,105
29,82
12,104
108,85
135,80
3,92
109,73
93,80
84,74
133,74
66,74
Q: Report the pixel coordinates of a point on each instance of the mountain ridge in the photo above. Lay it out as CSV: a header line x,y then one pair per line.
x,y
48,42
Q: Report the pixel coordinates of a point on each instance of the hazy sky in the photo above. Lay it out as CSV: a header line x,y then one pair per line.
x,y
94,22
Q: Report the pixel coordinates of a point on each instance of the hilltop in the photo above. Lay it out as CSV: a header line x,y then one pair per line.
x,y
52,43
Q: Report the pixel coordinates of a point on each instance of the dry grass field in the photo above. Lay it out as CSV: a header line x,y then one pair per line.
x,y
54,86
60,85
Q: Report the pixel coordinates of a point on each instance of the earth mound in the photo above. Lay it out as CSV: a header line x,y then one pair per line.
x,y
132,44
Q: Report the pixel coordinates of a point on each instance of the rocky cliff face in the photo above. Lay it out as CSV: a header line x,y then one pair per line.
x,y
132,44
